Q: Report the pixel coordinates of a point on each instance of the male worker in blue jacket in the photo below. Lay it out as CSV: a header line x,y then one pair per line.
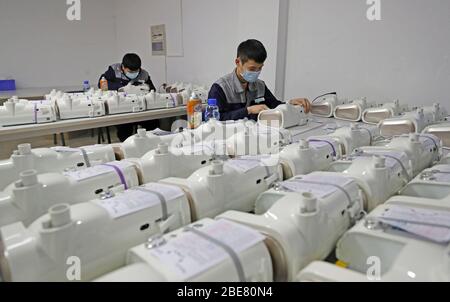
x,y
241,94
129,71
121,74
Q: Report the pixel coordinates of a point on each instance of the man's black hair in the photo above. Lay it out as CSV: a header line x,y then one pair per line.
x,y
132,61
252,50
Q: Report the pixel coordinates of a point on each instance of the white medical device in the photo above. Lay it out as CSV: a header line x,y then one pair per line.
x,y
303,218
32,195
55,159
205,251
97,233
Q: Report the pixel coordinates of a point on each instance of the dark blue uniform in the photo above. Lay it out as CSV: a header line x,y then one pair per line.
x,y
116,80
233,100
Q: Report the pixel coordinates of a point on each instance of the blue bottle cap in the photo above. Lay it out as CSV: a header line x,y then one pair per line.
x,y
212,102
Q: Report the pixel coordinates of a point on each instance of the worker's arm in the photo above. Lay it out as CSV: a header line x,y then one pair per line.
x,y
270,100
113,82
150,84
226,113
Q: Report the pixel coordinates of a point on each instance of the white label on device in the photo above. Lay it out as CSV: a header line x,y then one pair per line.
x,y
428,141
159,132
391,163
88,173
441,173
133,201
95,171
323,143
62,149
430,224
243,164
189,254
326,184
433,233
417,215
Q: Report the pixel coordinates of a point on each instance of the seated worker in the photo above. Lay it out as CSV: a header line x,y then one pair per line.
x,y
241,94
121,74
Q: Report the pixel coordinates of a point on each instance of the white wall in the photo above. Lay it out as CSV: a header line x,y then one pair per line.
x,y
41,48
333,47
211,31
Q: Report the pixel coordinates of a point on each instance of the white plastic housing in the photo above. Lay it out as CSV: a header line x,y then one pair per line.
x,y
218,130
145,265
446,159
79,107
144,141
422,150
353,111
56,159
305,157
432,183
187,89
321,271
300,227
166,162
32,195
402,257
378,174
412,122
137,145
135,89
21,112
156,100
349,138
377,114
99,233
258,140
284,116
325,107
222,186
201,92
117,103
440,130
54,95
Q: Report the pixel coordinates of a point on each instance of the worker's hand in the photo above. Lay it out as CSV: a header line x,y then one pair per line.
x,y
256,109
302,102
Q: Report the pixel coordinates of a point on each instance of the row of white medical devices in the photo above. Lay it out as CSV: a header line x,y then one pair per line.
x,y
93,103
392,118
406,239
123,219
85,173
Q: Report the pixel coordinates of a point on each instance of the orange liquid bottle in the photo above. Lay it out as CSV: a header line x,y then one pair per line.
x,y
104,84
194,112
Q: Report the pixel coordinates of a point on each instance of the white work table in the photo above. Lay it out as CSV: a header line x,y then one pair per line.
x,y
314,127
36,130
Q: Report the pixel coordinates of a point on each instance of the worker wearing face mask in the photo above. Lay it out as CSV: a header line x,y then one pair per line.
x,y
129,71
121,74
241,94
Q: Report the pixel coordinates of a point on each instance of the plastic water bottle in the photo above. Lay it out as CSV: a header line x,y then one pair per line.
x,y
212,110
86,86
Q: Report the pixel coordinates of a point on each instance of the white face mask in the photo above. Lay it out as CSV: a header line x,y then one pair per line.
x,y
132,75
251,76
